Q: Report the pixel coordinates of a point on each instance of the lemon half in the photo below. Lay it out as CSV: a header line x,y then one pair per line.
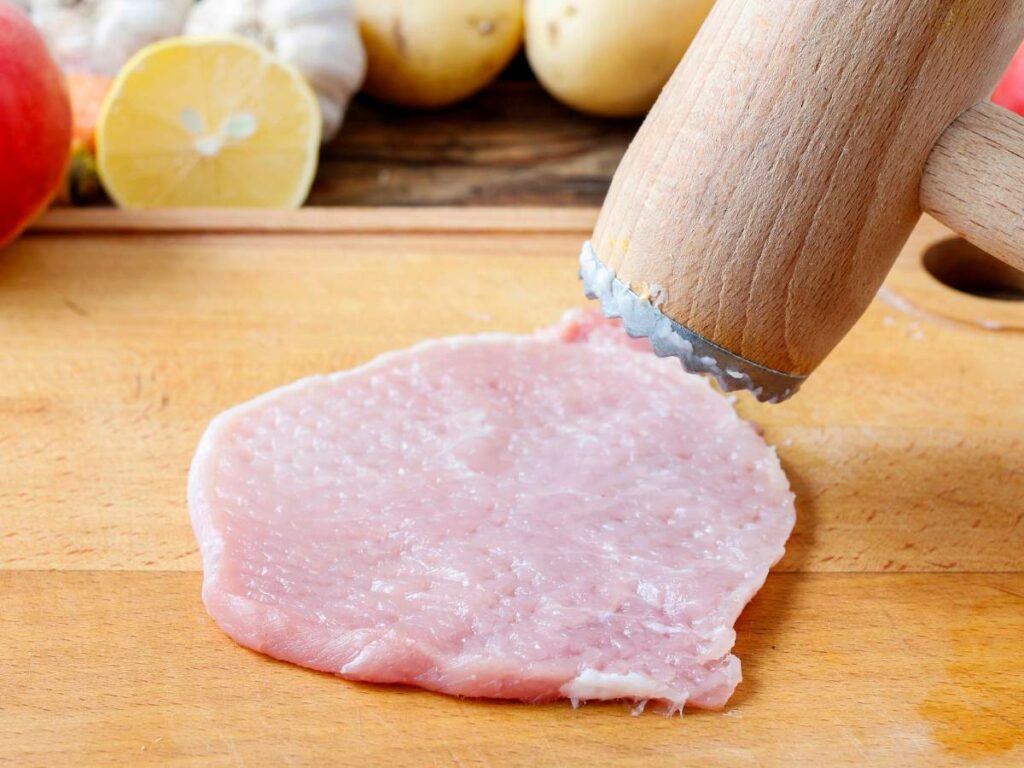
x,y
208,121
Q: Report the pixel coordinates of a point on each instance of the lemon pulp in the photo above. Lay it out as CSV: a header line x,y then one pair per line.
x,y
208,121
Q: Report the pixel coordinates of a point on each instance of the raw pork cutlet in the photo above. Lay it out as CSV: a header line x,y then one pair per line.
x,y
501,516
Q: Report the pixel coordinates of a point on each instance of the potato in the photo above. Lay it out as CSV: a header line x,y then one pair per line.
x,y
609,57
426,53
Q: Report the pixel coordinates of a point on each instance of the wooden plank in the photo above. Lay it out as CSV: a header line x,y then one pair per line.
x,y
115,351
840,669
512,144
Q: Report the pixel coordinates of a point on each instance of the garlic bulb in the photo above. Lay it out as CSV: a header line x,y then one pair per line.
x,y
101,35
319,37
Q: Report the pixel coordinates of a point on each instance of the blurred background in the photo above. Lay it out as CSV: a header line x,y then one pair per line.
x,y
461,102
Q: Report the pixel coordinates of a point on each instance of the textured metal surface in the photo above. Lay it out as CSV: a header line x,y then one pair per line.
x,y
642,318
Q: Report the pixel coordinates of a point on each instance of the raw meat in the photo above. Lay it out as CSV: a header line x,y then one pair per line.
x,y
524,517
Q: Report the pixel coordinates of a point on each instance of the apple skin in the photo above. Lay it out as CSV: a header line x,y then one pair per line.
x,y
35,123
1010,91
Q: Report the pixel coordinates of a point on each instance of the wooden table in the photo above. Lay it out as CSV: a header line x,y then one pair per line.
x,y
891,634
512,144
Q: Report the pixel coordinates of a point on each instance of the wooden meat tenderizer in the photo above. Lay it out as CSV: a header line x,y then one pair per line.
x,y
773,184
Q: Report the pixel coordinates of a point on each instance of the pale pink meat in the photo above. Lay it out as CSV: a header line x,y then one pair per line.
x,y
525,517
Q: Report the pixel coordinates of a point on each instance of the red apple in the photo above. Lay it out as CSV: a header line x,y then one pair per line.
x,y
1010,91
35,123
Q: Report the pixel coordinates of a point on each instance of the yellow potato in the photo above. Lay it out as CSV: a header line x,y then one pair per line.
x,y
428,53
609,57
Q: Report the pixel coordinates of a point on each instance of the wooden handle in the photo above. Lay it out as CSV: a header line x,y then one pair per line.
x,y
777,177
974,180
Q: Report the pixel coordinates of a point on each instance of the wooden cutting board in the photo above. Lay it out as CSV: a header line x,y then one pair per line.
x,y
891,634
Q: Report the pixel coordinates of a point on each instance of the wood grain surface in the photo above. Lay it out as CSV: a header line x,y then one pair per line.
x,y
891,634
512,144
974,179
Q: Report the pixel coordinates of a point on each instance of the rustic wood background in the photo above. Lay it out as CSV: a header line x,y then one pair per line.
x,y
511,144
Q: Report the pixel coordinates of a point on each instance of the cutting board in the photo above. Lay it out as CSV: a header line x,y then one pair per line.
x,y
892,633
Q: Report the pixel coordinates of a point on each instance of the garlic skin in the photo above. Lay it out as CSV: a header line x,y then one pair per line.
x,y
101,35
320,38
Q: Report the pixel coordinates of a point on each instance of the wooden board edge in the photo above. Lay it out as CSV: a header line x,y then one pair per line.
x,y
384,220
